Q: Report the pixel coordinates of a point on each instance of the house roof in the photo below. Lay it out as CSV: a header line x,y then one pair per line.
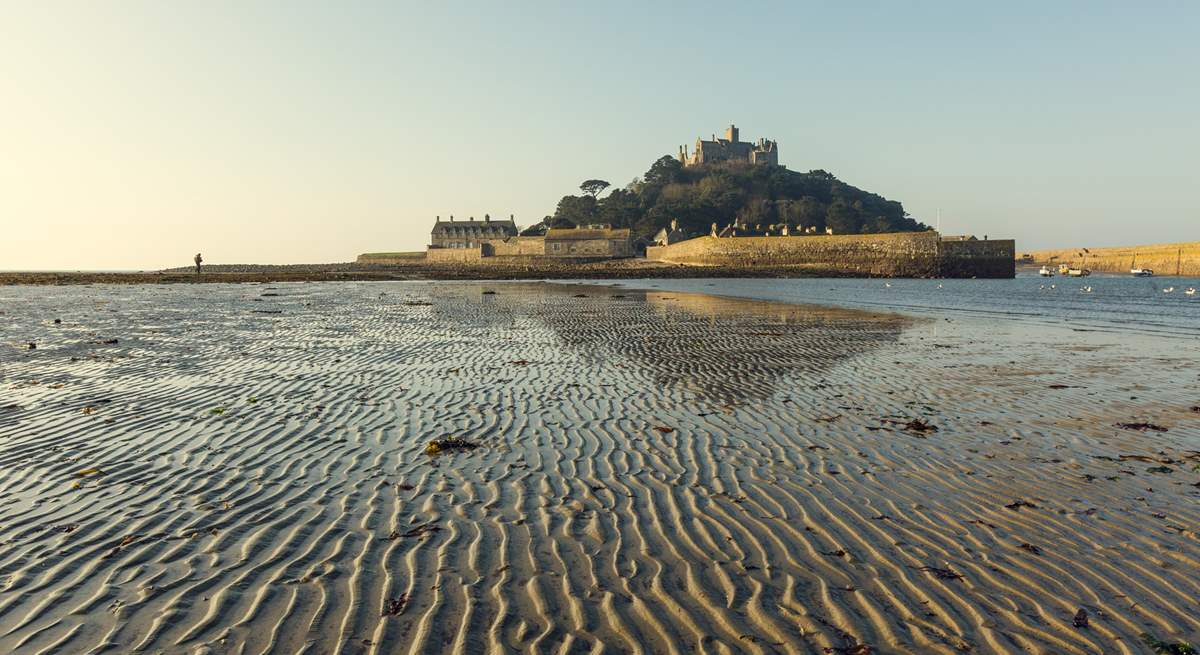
x,y
587,233
506,226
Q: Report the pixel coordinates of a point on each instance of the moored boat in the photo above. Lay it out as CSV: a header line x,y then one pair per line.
x,y
1141,272
1078,272
1046,272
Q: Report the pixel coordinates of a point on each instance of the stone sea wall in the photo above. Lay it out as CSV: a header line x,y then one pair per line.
x,y
391,257
902,254
514,246
990,259
454,255
1163,258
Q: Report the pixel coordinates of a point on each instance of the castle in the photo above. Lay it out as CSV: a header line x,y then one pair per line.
x,y
731,149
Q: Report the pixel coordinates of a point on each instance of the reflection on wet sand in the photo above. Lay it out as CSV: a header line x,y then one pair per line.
x,y
715,349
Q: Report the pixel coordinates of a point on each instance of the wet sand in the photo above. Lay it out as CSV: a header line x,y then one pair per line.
x,y
244,469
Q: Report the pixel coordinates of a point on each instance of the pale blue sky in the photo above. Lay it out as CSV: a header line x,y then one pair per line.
x,y
137,133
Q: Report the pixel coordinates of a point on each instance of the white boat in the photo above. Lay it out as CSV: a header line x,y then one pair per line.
x,y
1078,272
1141,272
1045,272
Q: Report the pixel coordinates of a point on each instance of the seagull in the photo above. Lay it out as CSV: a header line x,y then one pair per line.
x,y
1168,289
887,284
1190,291
1053,286
1086,289
939,286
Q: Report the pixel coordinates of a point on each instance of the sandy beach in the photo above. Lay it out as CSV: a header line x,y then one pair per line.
x,y
247,469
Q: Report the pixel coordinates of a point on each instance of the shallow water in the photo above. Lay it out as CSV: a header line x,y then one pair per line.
x,y
1114,302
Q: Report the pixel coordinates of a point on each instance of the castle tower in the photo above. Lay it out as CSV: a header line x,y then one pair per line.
x,y
731,133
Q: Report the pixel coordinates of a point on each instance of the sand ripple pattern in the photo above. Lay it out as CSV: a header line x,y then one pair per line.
x,y
243,470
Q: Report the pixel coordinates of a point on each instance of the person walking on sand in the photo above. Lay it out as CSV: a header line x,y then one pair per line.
x,y
198,259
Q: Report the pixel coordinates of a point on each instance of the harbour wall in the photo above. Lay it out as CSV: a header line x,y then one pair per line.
x,y
514,247
993,258
1163,258
391,258
901,254
454,255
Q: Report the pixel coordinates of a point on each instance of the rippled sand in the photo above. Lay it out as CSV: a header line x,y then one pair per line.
x,y
244,470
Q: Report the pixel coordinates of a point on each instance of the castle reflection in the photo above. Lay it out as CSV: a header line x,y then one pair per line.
x,y
715,349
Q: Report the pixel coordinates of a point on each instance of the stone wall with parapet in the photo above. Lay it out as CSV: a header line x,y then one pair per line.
x,y
454,255
991,258
514,246
900,254
906,254
392,258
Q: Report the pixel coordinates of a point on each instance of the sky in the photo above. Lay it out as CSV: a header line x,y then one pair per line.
x,y
135,134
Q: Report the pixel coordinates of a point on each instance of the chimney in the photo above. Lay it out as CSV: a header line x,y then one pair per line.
x,y
451,218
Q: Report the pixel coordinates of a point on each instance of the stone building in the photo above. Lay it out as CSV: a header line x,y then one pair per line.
x,y
730,148
469,234
668,235
590,241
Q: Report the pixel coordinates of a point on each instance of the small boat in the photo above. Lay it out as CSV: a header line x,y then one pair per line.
x,y
1045,272
1078,272
1141,272
1063,268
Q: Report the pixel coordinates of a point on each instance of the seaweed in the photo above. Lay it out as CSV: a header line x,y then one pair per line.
x,y
1168,648
940,574
1140,427
393,606
438,446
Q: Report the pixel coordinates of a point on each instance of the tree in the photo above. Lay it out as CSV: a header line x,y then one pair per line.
x,y
721,193
842,218
576,210
593,187
621,208
664,171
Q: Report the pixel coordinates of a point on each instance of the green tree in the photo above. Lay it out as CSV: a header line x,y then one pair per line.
x,y
594,187
621,208
842,218
664,171
720,193
576,210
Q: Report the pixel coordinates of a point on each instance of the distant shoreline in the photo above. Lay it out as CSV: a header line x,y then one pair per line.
x,y
1165,259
